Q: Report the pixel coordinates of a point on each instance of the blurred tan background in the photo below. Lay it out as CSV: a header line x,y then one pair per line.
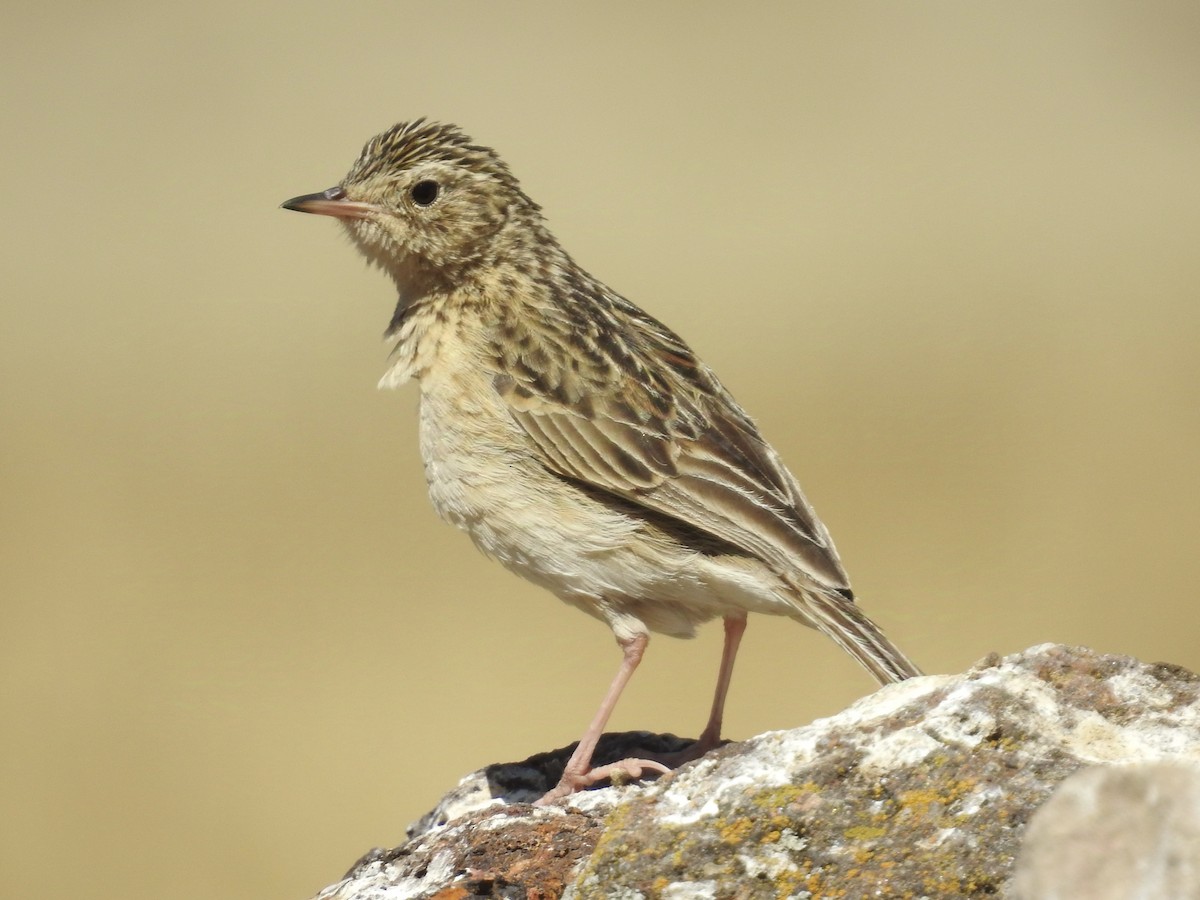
x,y
945,253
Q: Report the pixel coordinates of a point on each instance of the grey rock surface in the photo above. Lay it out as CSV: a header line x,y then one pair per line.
x,y
922,789
1115,833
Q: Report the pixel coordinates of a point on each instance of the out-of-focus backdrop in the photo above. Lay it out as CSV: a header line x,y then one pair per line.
x,y
947,254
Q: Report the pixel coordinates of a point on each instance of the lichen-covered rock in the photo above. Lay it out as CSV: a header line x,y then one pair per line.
x,y
526,781
922,789
484,839
507,851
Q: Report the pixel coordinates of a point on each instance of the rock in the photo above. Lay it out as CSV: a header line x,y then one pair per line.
x,y
1115,832
526,781
922,789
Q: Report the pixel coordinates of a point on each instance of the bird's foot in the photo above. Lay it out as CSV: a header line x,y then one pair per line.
x,y
617,772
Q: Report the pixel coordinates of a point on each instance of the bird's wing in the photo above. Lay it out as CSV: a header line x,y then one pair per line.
x,y
646,422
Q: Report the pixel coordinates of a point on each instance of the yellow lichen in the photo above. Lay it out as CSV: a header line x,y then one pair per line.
x,y
864,832
737,831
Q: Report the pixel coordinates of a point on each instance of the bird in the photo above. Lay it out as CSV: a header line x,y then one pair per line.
x,y
578,440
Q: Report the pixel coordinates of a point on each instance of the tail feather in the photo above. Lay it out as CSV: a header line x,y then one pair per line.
x,y
855,633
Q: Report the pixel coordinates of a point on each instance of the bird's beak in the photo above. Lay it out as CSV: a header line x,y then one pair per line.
x,y
332,202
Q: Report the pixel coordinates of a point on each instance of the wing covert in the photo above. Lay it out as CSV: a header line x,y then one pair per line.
x,y
655,428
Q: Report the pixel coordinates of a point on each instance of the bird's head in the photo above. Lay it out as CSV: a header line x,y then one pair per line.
x,y
424,203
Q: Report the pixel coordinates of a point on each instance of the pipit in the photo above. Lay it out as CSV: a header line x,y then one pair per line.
x,y
578,440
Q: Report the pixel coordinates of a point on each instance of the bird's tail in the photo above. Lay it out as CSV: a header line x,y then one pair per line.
x,y
841,619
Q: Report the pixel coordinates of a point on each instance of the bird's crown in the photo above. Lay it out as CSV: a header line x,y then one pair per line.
x,y
409,144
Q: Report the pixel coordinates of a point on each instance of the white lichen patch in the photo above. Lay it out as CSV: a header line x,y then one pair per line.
x,y
379,881
1096,739
898,750
767,861
686,800
978,800
502,821
690,890
792,842
1140,687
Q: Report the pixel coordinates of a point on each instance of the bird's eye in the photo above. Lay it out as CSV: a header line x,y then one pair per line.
x,y
424,192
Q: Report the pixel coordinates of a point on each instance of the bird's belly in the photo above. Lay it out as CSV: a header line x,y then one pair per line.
x,y
483,477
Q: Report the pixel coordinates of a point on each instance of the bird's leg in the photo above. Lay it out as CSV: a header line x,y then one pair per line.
x,y
735,626
579,773
711,736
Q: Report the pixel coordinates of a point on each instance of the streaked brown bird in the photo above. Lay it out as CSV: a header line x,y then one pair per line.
x,y
577,439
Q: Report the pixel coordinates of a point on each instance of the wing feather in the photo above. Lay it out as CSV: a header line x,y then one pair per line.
x,y
660,432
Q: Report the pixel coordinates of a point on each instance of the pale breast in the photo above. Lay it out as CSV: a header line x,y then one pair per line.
x,y
484,477
481,469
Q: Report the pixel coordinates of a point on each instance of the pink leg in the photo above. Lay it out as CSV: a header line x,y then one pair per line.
x,y
711,736
578,773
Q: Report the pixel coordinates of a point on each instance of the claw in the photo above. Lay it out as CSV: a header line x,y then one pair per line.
x,y
618,772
